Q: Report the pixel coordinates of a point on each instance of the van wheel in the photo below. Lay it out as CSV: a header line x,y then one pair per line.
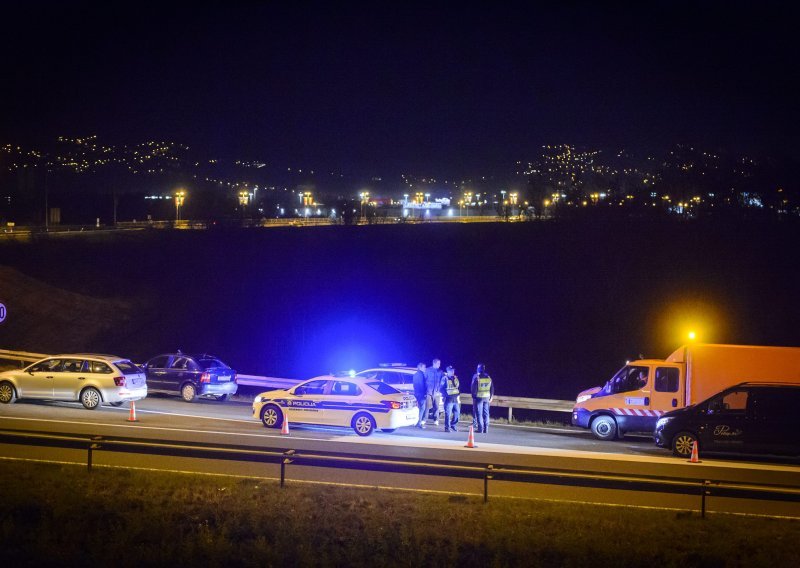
x,y
271,416
363,424
682,444
90,398
604,428
188,392
7,393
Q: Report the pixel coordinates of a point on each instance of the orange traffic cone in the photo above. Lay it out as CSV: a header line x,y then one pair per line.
x,y
285,427
471,438
132,415
695,453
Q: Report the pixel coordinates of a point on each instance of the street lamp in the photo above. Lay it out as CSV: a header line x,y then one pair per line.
x,y
180,195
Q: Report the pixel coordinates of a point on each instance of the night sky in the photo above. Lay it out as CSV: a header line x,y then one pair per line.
x,y
378,88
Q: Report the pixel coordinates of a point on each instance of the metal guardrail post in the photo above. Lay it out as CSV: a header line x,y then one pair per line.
x,y
284,462
93,446
510,418
705,490
486,477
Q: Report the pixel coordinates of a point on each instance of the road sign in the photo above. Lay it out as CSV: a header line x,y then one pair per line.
x,y
3,312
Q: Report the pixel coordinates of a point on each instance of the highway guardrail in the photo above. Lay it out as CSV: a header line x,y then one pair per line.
x,y
703,488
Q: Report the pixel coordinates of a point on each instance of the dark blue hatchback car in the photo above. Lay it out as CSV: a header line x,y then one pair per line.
x,y
190,376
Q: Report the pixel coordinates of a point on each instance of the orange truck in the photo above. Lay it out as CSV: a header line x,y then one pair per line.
x,y
639,393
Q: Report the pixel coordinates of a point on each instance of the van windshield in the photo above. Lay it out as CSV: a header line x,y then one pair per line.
x,y
629,378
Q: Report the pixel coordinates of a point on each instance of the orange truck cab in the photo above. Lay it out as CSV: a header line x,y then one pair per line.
x,y
639,393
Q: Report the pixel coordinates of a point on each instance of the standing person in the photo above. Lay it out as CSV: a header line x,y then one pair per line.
x,y
420,393
452,406
433,385
482,393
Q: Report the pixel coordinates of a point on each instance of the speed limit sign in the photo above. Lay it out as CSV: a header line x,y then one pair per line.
x,y
3,312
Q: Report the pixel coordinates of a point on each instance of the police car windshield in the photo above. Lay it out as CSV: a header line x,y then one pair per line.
x,y
383,388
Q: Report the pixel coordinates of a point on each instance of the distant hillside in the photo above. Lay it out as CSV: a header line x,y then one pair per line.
x,y
44,318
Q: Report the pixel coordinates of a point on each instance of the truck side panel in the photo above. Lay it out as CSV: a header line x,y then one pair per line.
x,y
712,368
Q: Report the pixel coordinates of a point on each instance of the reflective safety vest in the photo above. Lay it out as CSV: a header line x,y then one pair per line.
x,y
452,386
484,387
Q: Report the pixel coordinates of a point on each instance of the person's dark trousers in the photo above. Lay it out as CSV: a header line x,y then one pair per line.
x,y
422,403
482,414
451,412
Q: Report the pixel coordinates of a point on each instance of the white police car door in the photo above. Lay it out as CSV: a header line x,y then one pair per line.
x,y
342,402
306,406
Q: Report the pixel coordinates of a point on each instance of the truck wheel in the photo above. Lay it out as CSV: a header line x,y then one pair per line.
x,y
682,444
604,428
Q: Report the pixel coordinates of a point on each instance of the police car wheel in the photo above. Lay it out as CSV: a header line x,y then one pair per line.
x,y
682,444
271,416
604,428
363,424
388,430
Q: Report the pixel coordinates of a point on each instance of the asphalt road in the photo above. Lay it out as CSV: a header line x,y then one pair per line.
x,y
210,422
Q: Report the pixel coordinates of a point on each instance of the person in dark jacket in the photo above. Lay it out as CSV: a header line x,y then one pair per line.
x,y
420,393
482,393
452,406
433,386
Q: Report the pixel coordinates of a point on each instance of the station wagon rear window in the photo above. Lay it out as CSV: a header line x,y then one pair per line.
x,y
128,368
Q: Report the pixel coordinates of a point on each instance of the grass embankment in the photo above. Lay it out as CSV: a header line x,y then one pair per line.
x,y
62,515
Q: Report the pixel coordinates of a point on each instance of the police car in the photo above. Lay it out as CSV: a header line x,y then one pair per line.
x,y
401,377
353,402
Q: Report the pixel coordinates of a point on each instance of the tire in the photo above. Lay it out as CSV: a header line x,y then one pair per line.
x,y
222,397
388,430
271,416
116,404
188,392
7,393
604,428
90,398
363,424
682,444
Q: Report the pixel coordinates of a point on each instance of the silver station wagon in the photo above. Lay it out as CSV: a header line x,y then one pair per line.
x,y
91,379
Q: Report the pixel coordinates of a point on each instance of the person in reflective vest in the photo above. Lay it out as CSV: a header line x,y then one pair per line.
x,y
482,393
452,406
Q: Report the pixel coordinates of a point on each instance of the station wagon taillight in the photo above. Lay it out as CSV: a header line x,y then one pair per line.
x,y
205,377
119,381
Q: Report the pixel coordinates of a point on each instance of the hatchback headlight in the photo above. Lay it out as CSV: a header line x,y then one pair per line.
x,y
661,422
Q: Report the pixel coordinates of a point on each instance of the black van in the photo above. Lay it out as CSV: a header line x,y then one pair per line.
x,y
751,418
